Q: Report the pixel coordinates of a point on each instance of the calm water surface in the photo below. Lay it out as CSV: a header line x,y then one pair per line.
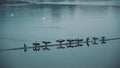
x,y
21,24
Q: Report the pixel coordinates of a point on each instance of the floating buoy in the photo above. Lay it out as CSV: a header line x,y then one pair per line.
x,y
11,14
43,18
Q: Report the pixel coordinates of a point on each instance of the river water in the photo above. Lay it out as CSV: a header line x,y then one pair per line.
x,y
21,24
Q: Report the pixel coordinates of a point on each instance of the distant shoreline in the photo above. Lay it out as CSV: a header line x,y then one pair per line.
x,y
14,2
62,3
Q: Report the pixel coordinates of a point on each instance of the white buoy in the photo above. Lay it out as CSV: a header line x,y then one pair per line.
x,y
43,18
11,14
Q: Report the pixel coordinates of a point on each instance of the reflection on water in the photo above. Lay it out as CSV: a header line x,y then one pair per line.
x,y
28,23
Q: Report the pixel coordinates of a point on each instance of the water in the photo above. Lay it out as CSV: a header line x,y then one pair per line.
x,y
21,24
